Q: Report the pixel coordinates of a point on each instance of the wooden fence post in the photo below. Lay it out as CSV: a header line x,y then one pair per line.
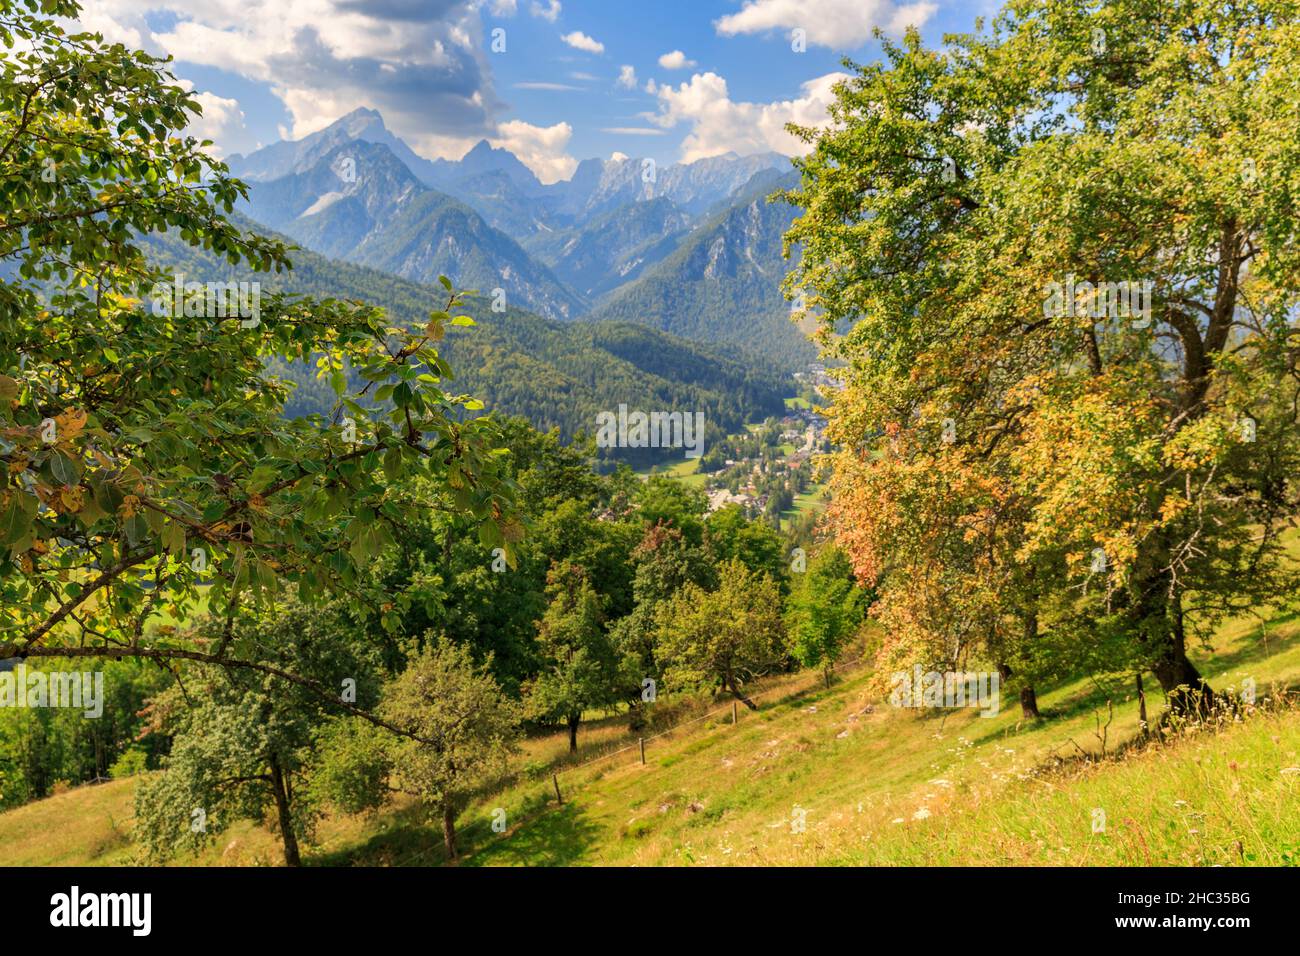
x,y
733,713
642,740
556,780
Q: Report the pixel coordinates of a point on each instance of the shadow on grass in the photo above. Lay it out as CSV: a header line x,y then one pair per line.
x,y
407,837
1256,649
410,836
558,837
1091,698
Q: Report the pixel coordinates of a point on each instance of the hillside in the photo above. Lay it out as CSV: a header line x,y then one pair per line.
x,y
359,202
723,283
555,374
879,786
615,248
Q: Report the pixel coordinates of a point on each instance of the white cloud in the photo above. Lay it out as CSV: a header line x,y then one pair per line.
x,y
632,130
580,41
114,31
222,121
504,8
627,77
720,125
540,148
421,63
549,12
842,24
676,60
556,87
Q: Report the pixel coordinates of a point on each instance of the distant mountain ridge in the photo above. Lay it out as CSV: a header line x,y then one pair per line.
x,y
359,202
622,238
722,282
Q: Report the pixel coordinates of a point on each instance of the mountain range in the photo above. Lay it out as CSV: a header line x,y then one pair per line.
x,y
689,248
556,374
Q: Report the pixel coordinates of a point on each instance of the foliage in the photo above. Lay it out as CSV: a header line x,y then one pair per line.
x,y
825,609
243,741
580,667
724,637
1020,464
466,728
143,451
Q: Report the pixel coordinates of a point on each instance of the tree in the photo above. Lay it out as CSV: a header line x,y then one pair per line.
x,y
580,669
143,450
825,609
665,500
243,741
725,637
665,563
1060,258
466,729
755,543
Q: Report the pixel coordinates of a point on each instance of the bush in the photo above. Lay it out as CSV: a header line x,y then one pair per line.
x,y
134,760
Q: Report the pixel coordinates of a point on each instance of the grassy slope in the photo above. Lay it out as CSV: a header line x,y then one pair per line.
x,y
878,786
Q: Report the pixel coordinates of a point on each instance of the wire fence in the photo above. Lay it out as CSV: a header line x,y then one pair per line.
x,y
780,693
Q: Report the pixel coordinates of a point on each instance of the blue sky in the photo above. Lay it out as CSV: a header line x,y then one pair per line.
x,y
670,79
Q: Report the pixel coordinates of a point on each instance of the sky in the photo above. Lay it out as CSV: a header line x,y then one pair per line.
x,y
554,81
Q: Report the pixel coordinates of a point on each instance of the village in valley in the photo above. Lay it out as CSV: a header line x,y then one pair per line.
x,y
770,470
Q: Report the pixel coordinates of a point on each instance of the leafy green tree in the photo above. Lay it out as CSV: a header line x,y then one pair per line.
x,y
580,669
41,746
463,729
243,740
144,454
825,609
755,543
723,638
665,500
665,563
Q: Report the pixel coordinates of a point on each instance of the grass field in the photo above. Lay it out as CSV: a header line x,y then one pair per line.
x,y
830,776
687,471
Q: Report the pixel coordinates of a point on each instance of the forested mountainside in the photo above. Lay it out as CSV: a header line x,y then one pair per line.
x,y
555,374
722,284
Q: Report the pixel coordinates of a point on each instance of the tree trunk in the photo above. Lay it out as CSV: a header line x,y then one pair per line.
x,y
1142,705
1028,697
1185,689
281,792
449,830
1028,703
729,684
574,720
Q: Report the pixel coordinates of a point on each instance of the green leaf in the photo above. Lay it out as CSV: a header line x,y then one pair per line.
x,y
16,517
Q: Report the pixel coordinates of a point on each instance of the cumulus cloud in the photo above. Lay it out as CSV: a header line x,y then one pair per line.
x,y
421,63
676,60
548,11
720,125
580,41
627,77
541,148
222,121
843,24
